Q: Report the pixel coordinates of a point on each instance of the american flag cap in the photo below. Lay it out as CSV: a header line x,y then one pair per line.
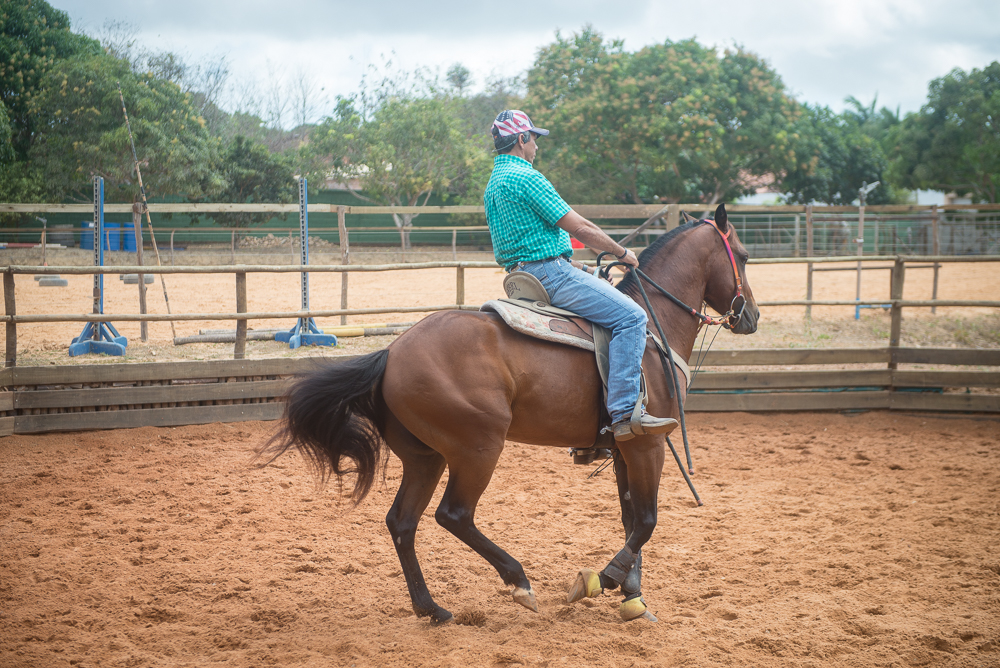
x,y
512,122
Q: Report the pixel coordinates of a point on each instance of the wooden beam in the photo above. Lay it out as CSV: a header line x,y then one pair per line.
x,y
147,394
787,401
6,426
962,356
10,309
760,380
149,417
129,373
779,356
932,401
908,378
6,401
240,347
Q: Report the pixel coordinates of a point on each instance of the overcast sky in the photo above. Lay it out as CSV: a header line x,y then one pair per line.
x,y
824,50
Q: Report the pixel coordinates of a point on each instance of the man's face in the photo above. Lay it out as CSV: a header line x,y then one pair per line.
x,y
530,148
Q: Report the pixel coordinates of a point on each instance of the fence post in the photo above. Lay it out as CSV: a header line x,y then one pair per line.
x,y
10,358
345,256
796,252
809,253
240,349
896,294
454,239
936,250
232,248
460,285
137,231
172,247
673,217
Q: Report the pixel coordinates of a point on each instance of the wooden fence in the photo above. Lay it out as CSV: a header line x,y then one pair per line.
x,y
118,396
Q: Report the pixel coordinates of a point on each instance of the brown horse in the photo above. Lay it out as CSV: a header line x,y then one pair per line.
x,y
451,390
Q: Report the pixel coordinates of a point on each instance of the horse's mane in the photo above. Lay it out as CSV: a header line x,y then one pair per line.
x,y
646,256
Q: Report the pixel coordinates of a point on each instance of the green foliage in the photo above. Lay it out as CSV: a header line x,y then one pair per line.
x,y
33,38
407,149
674,121
85,133
839,152
253,174
953,142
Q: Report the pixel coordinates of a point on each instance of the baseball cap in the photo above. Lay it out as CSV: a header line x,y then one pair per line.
x,y
510,123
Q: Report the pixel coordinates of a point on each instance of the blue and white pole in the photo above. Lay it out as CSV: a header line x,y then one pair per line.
x,y
305,332
98,337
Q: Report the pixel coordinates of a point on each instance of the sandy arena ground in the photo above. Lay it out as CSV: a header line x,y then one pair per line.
x,y
826,540
208,293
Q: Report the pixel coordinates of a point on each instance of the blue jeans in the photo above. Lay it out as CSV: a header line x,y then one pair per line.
x,y
597,301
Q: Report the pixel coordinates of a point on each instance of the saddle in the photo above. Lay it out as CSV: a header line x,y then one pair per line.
x,y
528,310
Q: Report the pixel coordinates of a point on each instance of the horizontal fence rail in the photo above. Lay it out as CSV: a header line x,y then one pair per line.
x,y
116,396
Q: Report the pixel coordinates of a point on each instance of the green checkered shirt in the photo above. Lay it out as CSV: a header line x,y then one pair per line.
x,y
522,209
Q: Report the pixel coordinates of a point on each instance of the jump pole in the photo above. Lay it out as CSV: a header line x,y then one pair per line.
x,y
305,332
98,337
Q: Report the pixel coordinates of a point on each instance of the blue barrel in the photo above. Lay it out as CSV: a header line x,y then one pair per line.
x,y
128,237
87,235
112,236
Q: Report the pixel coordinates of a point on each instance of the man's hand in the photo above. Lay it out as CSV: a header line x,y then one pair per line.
x,y
630,259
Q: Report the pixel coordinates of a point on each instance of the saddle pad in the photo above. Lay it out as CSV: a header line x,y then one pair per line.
x,y
534,323
546,322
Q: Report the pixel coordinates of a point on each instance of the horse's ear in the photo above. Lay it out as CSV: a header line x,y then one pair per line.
x,y
721,218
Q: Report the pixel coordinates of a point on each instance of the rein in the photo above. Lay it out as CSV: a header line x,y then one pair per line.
x,y
669,368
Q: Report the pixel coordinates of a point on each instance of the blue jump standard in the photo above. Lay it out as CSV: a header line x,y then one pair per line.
x,y
98,337
305,333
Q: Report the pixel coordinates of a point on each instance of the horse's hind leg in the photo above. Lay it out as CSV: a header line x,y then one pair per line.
x,y
469,474
422,469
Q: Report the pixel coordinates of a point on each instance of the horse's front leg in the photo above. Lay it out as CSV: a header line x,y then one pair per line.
x,y
639,465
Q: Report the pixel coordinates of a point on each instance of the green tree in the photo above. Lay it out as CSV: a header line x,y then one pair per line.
x,y
85,135
953,142
34,37
837,153
253,174
405,150
672,121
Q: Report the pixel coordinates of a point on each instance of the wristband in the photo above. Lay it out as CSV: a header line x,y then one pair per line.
x,y
622,256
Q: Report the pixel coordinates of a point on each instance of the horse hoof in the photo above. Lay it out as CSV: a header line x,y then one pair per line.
x,y
587,585
526,597
635,608
441,618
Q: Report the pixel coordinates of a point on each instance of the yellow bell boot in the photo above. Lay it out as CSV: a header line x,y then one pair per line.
x,y
635,608
587,585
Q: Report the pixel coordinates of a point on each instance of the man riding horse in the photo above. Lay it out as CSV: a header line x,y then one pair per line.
x,y
530,225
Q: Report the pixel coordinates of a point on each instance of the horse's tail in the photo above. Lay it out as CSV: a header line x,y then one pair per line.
x,y
336,413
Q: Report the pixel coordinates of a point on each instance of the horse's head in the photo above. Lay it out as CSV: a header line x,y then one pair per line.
x,y
724,292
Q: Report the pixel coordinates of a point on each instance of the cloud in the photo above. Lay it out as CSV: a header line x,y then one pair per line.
x,y
824,51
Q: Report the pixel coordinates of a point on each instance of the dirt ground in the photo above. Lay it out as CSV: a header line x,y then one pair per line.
x,y
780,326
825,540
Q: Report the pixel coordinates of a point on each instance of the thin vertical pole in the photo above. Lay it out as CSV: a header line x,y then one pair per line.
x,y
240,349
861,249
809,253
797,252
232,248
98,249
454,247
460,286
172,232
9,308
44,243
291,245
936,250
304,249
137,231
896,294
345,256
877,218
